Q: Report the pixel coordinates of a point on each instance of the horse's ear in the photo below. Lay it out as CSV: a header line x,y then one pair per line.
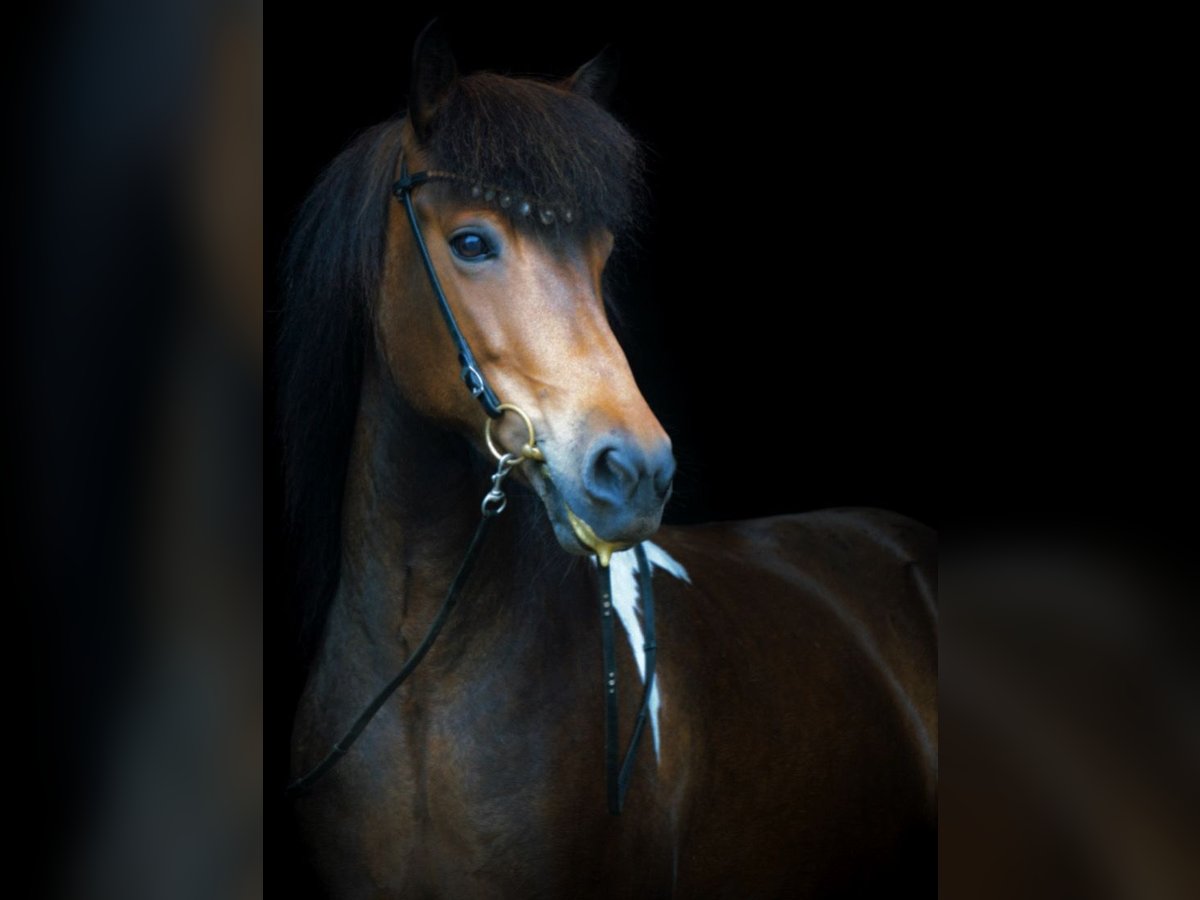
x,y
597,78
433,69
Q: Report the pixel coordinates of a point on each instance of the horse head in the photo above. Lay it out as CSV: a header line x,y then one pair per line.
x,y
533,183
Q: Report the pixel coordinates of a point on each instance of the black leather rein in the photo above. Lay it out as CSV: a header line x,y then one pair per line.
x,y
618,771
618,778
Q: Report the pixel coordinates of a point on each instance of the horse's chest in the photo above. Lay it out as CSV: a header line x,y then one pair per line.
x,y
504,796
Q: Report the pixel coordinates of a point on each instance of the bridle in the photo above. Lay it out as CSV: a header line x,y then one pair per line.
x,y
618,771
472,375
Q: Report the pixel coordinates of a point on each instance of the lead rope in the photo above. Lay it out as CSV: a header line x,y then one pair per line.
x,y
493,504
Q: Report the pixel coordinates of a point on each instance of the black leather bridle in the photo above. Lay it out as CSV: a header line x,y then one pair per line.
x,y
618,771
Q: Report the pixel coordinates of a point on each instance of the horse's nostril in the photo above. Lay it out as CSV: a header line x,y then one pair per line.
x,y
622,471
612,476
620,468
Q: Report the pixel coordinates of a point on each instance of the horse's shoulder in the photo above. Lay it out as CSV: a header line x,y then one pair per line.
x,y
867,558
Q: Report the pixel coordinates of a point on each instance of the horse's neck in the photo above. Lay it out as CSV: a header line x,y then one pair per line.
x,y
411,505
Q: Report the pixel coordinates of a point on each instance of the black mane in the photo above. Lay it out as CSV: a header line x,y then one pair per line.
x,y
331,273
532,139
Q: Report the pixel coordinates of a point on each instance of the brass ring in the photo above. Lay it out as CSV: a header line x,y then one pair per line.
x,y
529,451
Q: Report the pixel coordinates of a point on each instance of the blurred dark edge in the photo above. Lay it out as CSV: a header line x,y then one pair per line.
x,y
964,239
135,551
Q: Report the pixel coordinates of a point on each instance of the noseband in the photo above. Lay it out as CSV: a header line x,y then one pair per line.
x,y
618,772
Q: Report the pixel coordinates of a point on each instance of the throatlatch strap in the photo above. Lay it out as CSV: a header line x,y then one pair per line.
x,y
619,774
472,375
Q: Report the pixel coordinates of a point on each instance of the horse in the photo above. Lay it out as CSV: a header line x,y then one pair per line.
x,y
789,678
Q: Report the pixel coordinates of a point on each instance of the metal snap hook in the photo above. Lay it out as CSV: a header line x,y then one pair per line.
x,y
495,500
529,451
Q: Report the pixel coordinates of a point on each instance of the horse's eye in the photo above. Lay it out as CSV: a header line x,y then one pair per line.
x,y
470,246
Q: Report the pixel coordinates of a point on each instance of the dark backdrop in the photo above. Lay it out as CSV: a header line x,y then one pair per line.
x,y
779,311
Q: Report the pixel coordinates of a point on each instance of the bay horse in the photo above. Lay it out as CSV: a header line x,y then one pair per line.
x,y
792,746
